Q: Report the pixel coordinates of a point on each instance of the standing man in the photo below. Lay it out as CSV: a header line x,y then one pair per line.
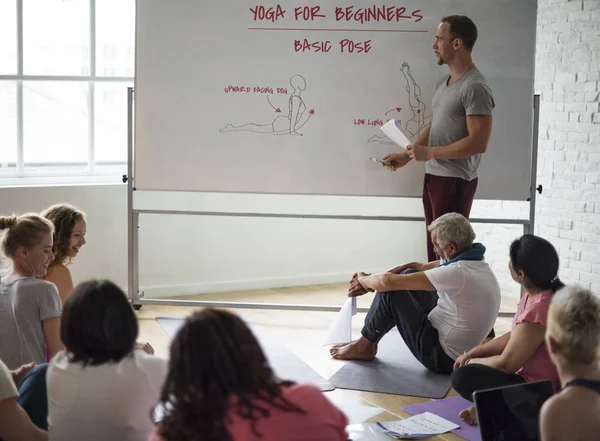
x,y
452,145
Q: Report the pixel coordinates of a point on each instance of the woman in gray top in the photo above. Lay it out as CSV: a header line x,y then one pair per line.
x,y
30,308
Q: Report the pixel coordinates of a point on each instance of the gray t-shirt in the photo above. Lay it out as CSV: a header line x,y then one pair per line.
x,y
25,303
469,95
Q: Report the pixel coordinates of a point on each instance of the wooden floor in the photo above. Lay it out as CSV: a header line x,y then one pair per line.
x,y
302,332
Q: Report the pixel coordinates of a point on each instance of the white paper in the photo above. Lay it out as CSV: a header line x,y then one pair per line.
x,y
419,426
341,329
394,132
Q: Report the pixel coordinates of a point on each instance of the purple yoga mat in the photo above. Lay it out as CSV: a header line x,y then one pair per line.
x,y
448,408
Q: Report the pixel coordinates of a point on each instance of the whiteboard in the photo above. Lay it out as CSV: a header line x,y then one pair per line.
x,y
229,97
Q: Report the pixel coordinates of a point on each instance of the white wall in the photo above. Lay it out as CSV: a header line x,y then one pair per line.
x,y
187,254
568,78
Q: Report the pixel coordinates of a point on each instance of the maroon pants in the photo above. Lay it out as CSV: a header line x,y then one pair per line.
x,y
443,195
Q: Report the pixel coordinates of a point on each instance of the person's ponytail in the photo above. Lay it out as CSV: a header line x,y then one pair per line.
x,y
23,231
7,222
556,284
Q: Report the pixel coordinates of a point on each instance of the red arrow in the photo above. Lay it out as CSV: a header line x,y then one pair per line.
x,y
397,109
311,112
419,120
277,109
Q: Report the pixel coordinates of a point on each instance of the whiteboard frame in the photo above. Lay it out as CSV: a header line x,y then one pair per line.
x,y
136,297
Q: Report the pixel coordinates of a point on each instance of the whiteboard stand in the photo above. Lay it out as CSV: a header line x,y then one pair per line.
x,y
534,159
137,296
132,216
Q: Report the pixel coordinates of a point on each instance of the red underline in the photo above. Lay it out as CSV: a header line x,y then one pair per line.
x,y
333,30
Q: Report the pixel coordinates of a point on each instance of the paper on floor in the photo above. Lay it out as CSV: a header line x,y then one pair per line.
x,y
419,426
341,329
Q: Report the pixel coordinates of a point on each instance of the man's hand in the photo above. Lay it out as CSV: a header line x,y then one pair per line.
x,y
20,373
356,289
144,347
418,152
397,160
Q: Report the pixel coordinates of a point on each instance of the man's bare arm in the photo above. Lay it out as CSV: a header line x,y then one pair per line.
x,y
415,265
424,137
386,282
476,142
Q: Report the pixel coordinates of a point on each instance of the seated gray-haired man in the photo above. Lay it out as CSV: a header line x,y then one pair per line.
x,y
440,308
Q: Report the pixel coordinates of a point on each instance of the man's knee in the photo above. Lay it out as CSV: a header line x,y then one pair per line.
x,y
460,380
383,297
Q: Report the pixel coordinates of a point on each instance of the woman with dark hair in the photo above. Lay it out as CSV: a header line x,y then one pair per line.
x,y
520,355
220,387
101,388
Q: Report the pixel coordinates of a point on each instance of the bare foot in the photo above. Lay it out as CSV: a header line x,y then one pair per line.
x,y
361,349
469,416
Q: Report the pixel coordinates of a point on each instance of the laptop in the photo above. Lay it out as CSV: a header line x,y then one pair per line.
x,y
511,413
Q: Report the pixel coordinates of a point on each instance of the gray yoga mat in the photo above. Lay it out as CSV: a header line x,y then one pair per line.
x,y
394,371
285,364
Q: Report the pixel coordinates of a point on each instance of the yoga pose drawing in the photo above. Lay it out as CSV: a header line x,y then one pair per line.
x,y
284,124
417,121
417,107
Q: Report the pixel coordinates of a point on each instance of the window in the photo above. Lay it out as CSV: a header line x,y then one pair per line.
x,y
8,37
55,122
111,122
65,66
8,124
53,33
115,34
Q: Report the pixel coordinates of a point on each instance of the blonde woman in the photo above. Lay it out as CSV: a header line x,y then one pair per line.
x,y
69,236
573,340
30,308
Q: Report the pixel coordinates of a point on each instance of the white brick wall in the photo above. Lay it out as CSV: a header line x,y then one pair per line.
x,y
568,211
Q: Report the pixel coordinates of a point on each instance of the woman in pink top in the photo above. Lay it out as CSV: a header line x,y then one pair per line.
x,y
520,355
220,387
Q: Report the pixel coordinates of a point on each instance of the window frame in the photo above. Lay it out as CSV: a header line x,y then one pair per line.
x,y
90,172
